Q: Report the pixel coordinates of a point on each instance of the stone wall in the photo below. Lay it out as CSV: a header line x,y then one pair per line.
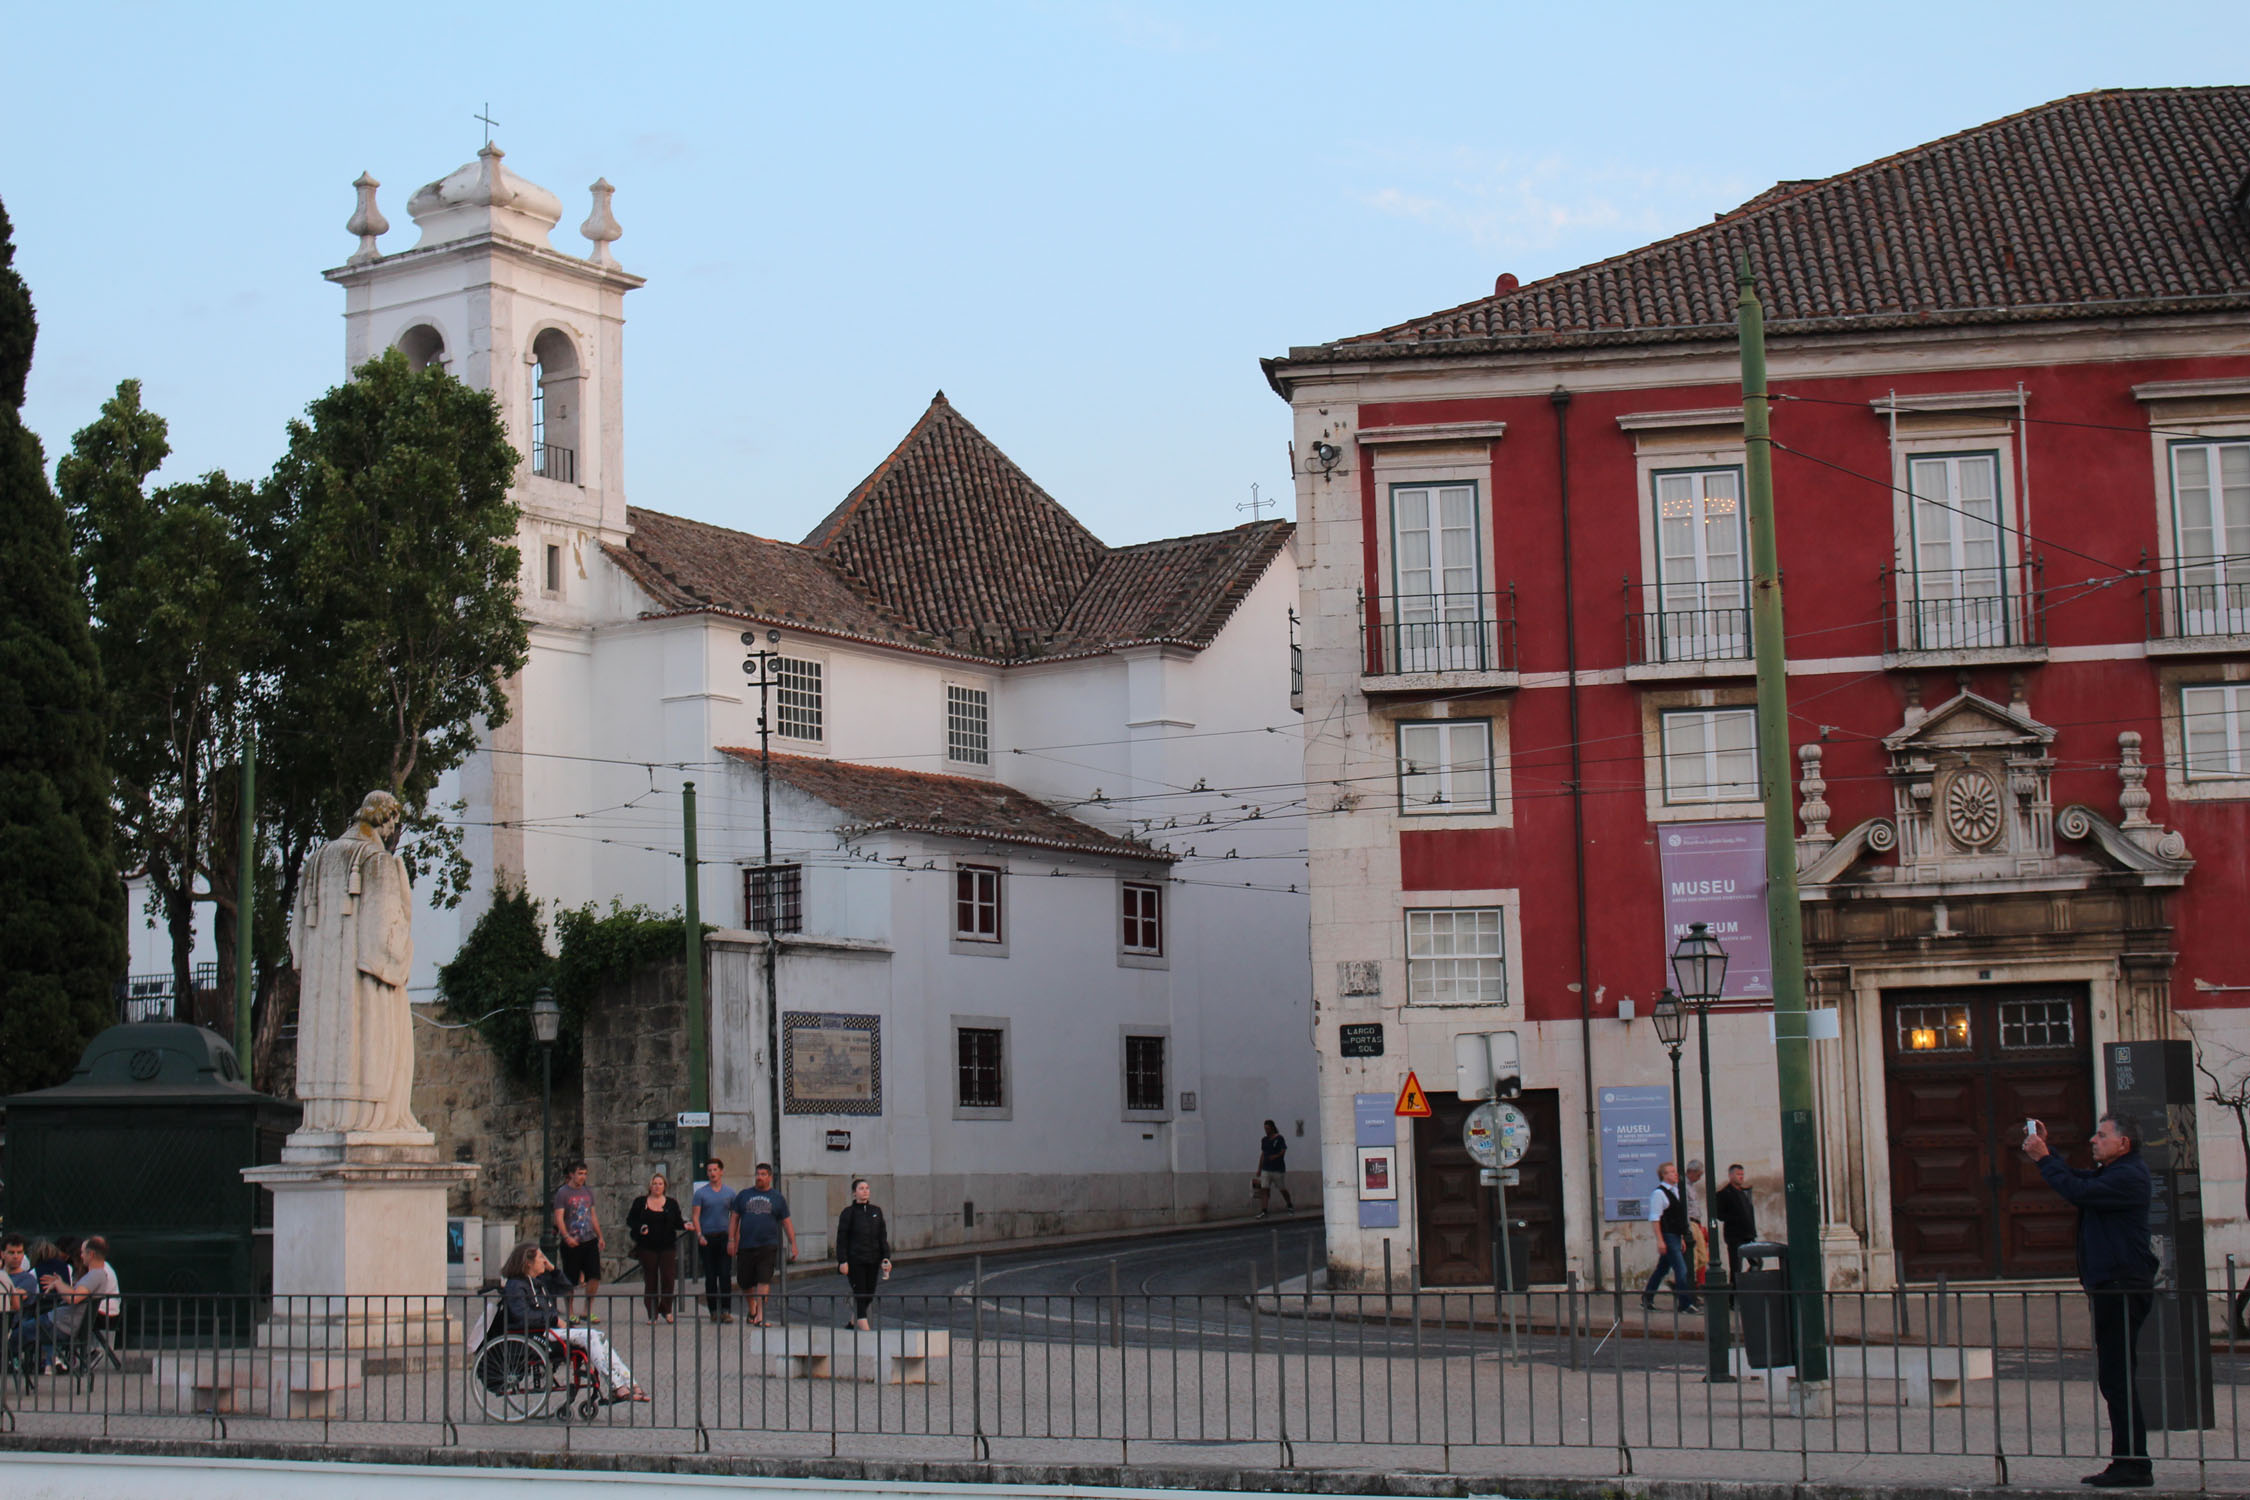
x,y
480,1114
636,1074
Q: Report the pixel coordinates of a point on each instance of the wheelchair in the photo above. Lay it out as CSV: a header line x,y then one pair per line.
x,y
521,1377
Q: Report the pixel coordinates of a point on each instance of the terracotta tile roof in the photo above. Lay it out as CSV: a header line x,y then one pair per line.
x,y
949,547
2120,203
956,539
1181,590
689,565
959,807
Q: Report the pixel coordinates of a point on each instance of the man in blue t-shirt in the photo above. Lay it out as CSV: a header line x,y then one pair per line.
x,y
710,1206
18,1282
757,1224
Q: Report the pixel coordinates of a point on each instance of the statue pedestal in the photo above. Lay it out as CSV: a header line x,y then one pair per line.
x,y
359,1249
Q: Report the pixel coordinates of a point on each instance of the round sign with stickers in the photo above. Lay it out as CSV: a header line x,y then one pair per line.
x,y
1496,1133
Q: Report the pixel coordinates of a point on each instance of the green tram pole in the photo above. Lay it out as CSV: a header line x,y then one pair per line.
x,y
245,905
699,1073
1800,1145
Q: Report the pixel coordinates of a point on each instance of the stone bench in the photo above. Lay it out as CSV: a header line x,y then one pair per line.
x,y
311,1386
898,1356
220,1384
1932,1377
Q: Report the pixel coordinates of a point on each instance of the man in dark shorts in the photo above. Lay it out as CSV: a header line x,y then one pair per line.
x,y
579,1224
1273,1168
757,1225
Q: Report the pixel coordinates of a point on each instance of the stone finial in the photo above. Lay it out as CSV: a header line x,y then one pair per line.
x,y
497,190
1812,795
1914,713
367,222
601,224
2133,796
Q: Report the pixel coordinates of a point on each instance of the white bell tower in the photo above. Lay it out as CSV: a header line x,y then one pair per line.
x,y
484,294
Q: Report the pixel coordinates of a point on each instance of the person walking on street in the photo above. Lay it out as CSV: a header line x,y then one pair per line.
x,y
863,1249
1738,1216
579,1224
654,1225
1273,1166
758,1221
2117,1267
711,1206
1667,1210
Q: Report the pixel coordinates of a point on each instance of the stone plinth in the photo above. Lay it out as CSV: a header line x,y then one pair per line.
x,y
359,1249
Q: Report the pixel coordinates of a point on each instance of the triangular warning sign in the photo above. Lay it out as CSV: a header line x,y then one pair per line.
x,y
1412,1102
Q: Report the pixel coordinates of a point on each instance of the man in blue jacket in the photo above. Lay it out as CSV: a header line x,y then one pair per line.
x,y
2118,1269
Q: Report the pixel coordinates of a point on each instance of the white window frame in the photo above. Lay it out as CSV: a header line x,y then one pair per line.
x,y
1431,782
971,941
1141,957
1712,792
1694,616
2216,599
2221,710
1439,626
1428,925
1946,616
967,744
813,716
1126,1035
2173,684
1006,1108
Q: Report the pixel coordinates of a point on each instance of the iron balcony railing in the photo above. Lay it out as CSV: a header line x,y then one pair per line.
x,y
554,462
2200,596
1961,609
1692,622
1404,634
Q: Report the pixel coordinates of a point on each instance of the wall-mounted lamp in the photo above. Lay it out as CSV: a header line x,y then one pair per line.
x,y
1326,455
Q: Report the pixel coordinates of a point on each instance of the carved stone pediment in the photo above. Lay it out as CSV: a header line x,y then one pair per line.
x,y
1972,808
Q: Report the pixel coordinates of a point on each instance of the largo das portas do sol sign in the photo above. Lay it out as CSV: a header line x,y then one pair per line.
x,y
1715,873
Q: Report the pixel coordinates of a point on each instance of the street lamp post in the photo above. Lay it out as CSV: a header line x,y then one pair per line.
x,y
762,667
1671,1030
546,1024
1699,967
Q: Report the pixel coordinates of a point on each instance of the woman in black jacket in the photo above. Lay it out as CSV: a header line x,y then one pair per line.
x,y
655,1224
529,1287
863,1249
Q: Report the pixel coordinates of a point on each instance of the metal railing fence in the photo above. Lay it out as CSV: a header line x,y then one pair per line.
x,y
1963,609
1953,1385
1413,634
2191,598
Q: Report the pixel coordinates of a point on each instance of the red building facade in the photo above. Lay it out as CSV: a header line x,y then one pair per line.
x,y
2012,418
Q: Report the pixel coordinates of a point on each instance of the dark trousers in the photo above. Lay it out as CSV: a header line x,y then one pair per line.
x,y
1734,1260
660,1274
863,1275
718,1274
2118,1315
1672,1260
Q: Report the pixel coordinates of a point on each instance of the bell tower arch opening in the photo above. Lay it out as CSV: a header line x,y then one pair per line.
x,y
423,347
555,385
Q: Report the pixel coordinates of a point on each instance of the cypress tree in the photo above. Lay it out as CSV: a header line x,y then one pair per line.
x,y
62,905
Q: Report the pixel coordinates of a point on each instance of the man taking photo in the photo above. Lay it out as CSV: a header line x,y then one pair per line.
x,y
2117,1268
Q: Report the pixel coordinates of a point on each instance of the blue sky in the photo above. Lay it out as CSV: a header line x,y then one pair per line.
x,y
1086,222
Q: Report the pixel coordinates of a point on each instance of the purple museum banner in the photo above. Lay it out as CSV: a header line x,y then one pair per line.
x,y
1716,873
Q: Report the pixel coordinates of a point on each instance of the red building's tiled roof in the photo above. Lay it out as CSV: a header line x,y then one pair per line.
x,y
2128,202
961,807
948,546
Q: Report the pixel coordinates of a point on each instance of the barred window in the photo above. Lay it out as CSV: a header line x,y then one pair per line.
x,y
1144,918
968,725
1144,1074
774,893
2037,1023
979,1071
1456,957
796,699
976,903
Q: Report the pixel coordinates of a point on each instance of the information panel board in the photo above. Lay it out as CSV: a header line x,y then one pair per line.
x,y
1636,1139
1374,1128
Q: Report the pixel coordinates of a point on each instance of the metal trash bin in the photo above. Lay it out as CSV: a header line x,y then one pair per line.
x,y
1769,1337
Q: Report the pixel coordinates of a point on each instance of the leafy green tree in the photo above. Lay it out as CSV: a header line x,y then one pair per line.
x,y
62,906
178,623
391,565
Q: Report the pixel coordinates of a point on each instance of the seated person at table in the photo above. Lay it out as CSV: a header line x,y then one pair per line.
x,y
94,1292
529,1287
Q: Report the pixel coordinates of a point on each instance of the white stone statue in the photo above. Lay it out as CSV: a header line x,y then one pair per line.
x,y
353,942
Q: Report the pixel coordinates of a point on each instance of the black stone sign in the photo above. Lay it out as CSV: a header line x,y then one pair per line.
x,y
663,1137
1360,1039
2155,1083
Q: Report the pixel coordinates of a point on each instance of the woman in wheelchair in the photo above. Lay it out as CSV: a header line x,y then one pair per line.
x,y
529,1287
